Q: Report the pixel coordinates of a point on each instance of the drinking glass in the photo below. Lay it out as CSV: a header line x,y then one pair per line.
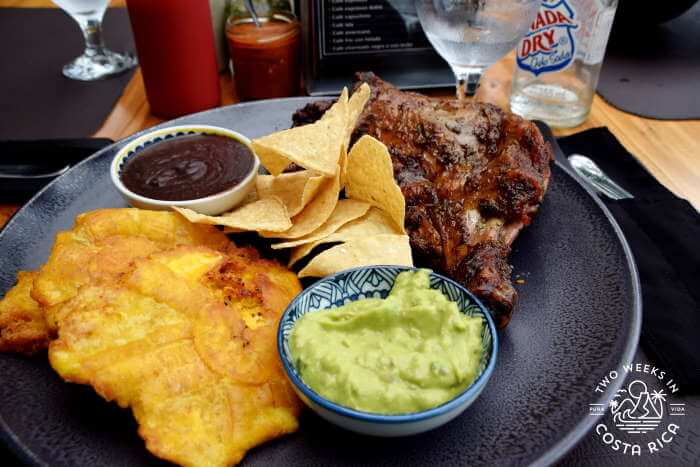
x,y
96,62
472,35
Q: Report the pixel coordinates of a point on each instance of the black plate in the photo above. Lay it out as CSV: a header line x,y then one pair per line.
x,y
577,319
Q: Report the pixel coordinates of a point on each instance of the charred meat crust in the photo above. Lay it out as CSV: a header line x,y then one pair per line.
x,y
472,175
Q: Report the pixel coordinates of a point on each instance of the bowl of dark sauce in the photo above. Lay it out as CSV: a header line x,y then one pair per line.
x,y
201,167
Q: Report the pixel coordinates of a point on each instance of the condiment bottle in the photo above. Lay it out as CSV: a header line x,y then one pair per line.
x,y
559,61
175,46
265,59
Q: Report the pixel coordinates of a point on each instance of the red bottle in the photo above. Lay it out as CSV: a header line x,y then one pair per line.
x,y
175,46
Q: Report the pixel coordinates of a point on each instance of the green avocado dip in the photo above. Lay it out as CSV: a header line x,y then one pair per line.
x,y
409,352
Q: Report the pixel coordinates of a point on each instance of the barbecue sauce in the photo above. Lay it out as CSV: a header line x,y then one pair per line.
x,y
188,167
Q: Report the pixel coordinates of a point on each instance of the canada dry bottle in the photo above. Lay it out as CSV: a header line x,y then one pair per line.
x,y
558,62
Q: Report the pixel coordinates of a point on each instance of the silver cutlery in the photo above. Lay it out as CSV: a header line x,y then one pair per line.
x,y
591,173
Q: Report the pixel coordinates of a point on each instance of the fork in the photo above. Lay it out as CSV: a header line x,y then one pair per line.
x,y
591,173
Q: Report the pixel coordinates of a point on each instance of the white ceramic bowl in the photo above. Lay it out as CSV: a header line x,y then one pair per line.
x,y
210,205
377,281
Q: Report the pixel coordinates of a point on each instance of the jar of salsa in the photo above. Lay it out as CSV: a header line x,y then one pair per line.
x,y
265,59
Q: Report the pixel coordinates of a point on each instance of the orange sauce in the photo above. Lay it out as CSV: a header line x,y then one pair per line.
x,y
265,59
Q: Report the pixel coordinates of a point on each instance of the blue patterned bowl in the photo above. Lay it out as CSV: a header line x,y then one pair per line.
x,y
210,205
377,281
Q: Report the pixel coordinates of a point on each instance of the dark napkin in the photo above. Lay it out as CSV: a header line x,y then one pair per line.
x,y
36,100
663,232
654,71
27,166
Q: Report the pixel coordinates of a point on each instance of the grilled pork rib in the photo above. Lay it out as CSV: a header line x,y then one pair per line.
x,y
473,176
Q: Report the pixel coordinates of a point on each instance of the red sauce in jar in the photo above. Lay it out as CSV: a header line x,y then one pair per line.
x,y
188,167
266,58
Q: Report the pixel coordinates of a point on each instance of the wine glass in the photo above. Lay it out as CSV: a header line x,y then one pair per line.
x,y
472,35
96,62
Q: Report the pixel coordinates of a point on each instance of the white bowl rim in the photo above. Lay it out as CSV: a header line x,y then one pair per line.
x,y
121,154
371,417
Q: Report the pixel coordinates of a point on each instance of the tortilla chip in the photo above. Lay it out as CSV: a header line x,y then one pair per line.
x,y
270,159
267,213
370,177
374,222
377,249
314,214
345,211
315,146
342,167
294,189
339,110
251,197
356,105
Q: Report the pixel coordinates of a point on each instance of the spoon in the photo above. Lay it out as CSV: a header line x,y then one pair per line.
x,y
251,9
589,171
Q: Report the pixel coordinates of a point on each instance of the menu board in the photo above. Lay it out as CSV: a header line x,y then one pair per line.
x,y
357,27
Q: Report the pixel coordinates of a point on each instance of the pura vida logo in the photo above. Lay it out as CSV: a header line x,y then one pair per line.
x,y
551,44
642,416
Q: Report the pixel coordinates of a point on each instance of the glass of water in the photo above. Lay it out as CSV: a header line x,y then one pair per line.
x,y
96,62
472,35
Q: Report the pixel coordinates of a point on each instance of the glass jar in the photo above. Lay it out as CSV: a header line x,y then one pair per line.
x,y
265,59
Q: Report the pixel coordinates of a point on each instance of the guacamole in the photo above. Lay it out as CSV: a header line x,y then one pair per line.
x,y
409,352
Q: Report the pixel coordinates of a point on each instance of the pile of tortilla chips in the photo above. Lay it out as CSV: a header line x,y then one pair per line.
x,y
304,208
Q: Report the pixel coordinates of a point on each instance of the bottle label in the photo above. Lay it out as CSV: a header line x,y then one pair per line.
x,y
551,44
599,37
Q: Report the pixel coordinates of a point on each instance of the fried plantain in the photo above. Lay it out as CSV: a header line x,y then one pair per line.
x,y
195,361
100,246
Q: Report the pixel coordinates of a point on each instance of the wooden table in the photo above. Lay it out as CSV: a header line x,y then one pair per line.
x,y
667,148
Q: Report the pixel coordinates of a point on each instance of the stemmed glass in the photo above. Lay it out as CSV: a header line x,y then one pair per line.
x,y
472,35
96,62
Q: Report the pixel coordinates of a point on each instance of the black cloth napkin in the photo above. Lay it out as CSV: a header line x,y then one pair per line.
x,y
36,100
27,166
663,232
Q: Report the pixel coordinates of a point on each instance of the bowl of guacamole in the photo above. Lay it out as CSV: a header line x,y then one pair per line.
x,y
387,350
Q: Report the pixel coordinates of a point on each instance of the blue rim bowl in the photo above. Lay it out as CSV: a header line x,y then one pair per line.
x,y
211,205
376,281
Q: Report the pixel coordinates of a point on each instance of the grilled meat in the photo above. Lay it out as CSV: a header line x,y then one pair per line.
x,y
472,174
